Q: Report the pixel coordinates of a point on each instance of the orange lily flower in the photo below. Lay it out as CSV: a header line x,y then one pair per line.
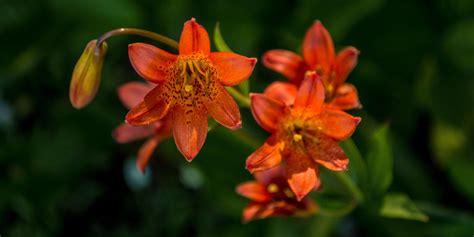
x,y
190,86
131,94
304,132
271,196
319,55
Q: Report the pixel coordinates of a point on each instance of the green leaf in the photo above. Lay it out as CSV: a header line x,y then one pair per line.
x,y
357,166
397,205
459,46
380,161
222,46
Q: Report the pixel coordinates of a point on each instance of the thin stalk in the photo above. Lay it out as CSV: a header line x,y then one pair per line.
x,y
133,31
243,100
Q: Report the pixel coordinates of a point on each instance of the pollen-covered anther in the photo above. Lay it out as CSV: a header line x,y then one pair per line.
x,y
297,137
272,188
188,88
288,193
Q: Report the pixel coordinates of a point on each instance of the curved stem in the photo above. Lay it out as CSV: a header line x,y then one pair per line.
x,y
243,100
133,31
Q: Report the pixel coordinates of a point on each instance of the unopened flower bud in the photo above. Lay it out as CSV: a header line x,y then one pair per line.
x,y
86,75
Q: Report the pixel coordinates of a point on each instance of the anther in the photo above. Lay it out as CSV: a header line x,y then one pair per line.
x,y
272,188
188,88
297,137
288,193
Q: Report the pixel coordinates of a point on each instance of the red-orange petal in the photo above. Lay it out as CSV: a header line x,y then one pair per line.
x,y
224,109
268,176
264,158
282,91
302,174
189,130
150,110
132,93
126,133
251,211
266,111
254,191
338,124
149,61
346,60
346,98
233,68
311,93
194,39
287,63
145,152
329,154
318,48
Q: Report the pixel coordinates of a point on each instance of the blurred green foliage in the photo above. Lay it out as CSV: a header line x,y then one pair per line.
x,y
61,174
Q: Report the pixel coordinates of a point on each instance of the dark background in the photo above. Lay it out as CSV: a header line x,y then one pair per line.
x,y
62,174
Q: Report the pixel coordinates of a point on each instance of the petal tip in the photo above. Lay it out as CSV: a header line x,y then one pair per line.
x,y
141,167
357,120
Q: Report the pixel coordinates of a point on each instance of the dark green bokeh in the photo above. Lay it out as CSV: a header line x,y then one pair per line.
x,y
61,173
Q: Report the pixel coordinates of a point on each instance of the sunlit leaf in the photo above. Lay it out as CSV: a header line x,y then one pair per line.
x,y
397,205
380,161
221,45
357,166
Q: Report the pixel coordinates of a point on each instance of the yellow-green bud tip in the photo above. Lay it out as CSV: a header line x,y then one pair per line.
x,y
86,75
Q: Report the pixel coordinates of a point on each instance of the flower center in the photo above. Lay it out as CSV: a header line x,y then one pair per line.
x,y
280,190
192,79
299,129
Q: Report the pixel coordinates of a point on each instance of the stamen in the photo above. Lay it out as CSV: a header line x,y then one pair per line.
x,y
319,69
297,137
183,70
191,67
188,88
272,188
288,193
198,68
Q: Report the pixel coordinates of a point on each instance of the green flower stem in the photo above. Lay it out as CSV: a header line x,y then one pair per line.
x,y
133,31
243,100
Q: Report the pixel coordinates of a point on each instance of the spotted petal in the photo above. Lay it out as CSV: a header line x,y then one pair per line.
x,y
311,93
149,61
346,97
224,109
329,154
145,152
233,68
282,91
265,157
132,93
189,130
346,60
285,62
338,124
266,111
302,173
151,109
254,191
194,39
126,133
318,48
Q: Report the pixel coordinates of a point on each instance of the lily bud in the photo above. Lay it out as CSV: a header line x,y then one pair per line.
x,y
86,75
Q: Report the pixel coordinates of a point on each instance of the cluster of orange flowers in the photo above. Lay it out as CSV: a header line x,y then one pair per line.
x,y
305,116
